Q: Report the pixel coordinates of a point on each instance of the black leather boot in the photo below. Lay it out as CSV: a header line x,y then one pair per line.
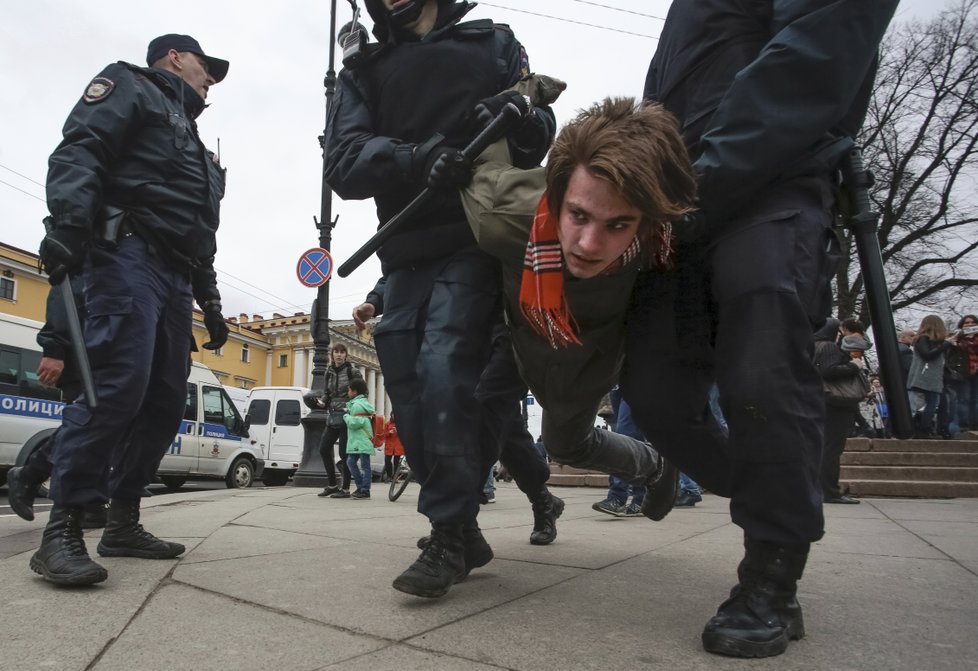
x,y
476,551
125,537
94,516
441,564
62,557
546,509
21,492
762,613
661,491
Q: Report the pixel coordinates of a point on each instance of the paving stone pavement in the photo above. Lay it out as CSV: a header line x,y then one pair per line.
x,y
280,578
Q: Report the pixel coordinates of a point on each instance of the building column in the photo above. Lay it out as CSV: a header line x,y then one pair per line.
x,y
299,368
371,387
310,354
381,396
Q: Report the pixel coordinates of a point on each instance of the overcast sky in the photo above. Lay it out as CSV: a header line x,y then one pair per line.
x,y
270,110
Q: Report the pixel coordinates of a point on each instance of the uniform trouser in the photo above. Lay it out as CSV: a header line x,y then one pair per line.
x,y
138,332
433,343
742,312
503,429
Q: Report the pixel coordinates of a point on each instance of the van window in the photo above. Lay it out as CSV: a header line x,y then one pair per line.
x,y
218,409
9,366
190,412
287,413
258,411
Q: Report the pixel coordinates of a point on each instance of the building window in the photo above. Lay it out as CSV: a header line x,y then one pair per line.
x,y
7,286
283,360
244,353
218,352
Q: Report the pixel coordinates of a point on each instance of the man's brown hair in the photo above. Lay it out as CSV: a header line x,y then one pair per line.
x,y
636,147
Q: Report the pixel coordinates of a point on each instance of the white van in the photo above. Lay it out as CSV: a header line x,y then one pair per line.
x,y
214,441
239,397
274,416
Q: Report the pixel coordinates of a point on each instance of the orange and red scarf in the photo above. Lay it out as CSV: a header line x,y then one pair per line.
x,y
542,299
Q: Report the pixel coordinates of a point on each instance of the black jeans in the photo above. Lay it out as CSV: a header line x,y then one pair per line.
x,y
330,436
838,424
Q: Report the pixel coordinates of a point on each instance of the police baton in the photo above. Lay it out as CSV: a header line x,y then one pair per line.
x,y
509,115
862,221
78,342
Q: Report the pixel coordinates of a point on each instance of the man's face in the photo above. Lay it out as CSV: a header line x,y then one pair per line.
x,y
339,357
596,224
194,72
425,19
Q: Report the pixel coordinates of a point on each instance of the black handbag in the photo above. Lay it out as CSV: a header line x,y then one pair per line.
x,y
847,391
335,418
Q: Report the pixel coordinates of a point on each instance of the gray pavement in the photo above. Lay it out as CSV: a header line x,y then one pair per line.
x,y
279,578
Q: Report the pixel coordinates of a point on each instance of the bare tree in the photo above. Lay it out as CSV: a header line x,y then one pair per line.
x,y
919,140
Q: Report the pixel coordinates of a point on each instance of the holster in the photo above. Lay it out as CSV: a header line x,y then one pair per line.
x,y
110,227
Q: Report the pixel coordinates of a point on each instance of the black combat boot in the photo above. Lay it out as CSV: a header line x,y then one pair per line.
x,y
476,550
661,491
94,516
441,564
62,557
762,613
125,537
546,509
21,492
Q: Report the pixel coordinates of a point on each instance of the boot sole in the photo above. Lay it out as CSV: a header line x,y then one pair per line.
x,y
721,644
138,554
22,511
414,591
96,575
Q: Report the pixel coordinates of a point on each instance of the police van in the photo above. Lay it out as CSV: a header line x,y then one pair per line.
x,y
213,440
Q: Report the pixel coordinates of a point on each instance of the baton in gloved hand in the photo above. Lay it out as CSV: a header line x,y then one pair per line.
x,y
496,128
78,342
862,221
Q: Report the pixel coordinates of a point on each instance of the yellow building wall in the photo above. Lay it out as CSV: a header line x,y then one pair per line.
x,y
30,287
227,363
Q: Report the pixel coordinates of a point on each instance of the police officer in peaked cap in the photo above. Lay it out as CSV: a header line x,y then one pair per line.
x,y
134,199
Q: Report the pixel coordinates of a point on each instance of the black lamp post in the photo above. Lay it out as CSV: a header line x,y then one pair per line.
x,y
312,472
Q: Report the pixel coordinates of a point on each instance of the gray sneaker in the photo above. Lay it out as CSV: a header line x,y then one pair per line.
x,y
609,507
632,510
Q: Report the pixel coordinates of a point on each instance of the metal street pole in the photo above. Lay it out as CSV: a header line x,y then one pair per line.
x,y
312,472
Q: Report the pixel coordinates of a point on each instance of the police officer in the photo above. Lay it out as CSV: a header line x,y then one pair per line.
x,y
396,125
769,96
134,199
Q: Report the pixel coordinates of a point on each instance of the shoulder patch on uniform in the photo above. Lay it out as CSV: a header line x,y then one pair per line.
x,y
98,90
524,62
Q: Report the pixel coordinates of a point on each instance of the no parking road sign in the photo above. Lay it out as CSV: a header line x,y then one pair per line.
x,y
315,267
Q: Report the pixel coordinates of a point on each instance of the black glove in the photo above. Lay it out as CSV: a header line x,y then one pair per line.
x,y
217,328
488,109
447,168
62,251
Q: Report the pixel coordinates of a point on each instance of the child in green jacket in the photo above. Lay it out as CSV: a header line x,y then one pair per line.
x,y
359,446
